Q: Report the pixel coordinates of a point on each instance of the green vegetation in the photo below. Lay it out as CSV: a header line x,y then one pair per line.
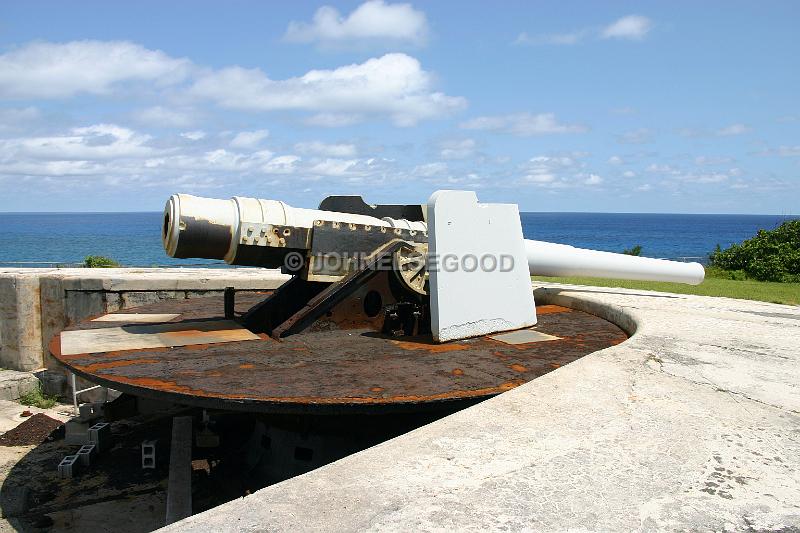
x,y
772,255
636,250
99,261
717,283
38,398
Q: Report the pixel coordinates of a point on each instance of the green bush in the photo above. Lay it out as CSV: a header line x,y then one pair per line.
x,y
772,255
98,261
38,398
636,250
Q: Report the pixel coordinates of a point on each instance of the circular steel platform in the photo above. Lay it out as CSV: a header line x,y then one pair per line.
x,y
338,371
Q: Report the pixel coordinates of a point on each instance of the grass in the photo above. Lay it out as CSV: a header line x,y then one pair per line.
x,y
38,398
717,283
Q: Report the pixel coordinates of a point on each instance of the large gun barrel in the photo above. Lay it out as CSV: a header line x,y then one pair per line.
x,y
214,229
551,259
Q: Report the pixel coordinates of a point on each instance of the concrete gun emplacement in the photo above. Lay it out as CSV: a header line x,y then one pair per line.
x,y
454,268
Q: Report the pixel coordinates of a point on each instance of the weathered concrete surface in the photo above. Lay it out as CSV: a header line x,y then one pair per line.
x,y
37,303
14,384
692,424
20,327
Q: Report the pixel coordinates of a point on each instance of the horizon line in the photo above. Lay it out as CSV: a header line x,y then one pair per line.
x,y
792,215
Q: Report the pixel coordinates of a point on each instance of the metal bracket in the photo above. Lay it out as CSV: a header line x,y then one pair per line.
x,y
337,292
337,249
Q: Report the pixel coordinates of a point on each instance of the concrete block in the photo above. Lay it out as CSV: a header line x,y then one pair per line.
x,y
69,466
87,453
14,384
54,382
76,433
90,411
100,434
148,454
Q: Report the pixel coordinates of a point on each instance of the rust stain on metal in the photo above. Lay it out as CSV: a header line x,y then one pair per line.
x,y
335,370
430,346
547,309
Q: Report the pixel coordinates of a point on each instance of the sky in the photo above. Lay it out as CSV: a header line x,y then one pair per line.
x,y
675,107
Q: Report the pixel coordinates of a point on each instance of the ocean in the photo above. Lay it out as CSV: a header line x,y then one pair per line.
x,y
134,239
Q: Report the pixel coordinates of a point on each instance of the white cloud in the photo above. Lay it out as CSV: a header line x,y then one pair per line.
x,y
195,135
523,124
782,151
393,85
633,27
333,120
593,179
629,174
334,167
553,172
61,70
374,20
158,116
615,160
457,148
96,142
733,129
249,139
326,149
284,164
430,170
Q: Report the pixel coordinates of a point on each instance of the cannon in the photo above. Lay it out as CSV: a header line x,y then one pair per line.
x,y
454,267
387,308
393,316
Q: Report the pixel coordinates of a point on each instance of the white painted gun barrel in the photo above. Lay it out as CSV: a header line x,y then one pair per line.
x,y
212,229
551,259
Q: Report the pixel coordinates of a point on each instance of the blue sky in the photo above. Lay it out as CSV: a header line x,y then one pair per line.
x,y
569,106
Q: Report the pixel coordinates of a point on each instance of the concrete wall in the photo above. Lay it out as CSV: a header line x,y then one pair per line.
x,y
37,303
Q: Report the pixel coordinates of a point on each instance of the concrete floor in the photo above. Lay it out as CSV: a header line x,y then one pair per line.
x,y
692,424
11,411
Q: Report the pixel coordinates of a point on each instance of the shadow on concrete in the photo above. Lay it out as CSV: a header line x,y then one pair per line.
x,y
647,294
252,451
113,494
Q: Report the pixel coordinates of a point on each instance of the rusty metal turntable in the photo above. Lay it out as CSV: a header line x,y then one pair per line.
x,y
322,370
